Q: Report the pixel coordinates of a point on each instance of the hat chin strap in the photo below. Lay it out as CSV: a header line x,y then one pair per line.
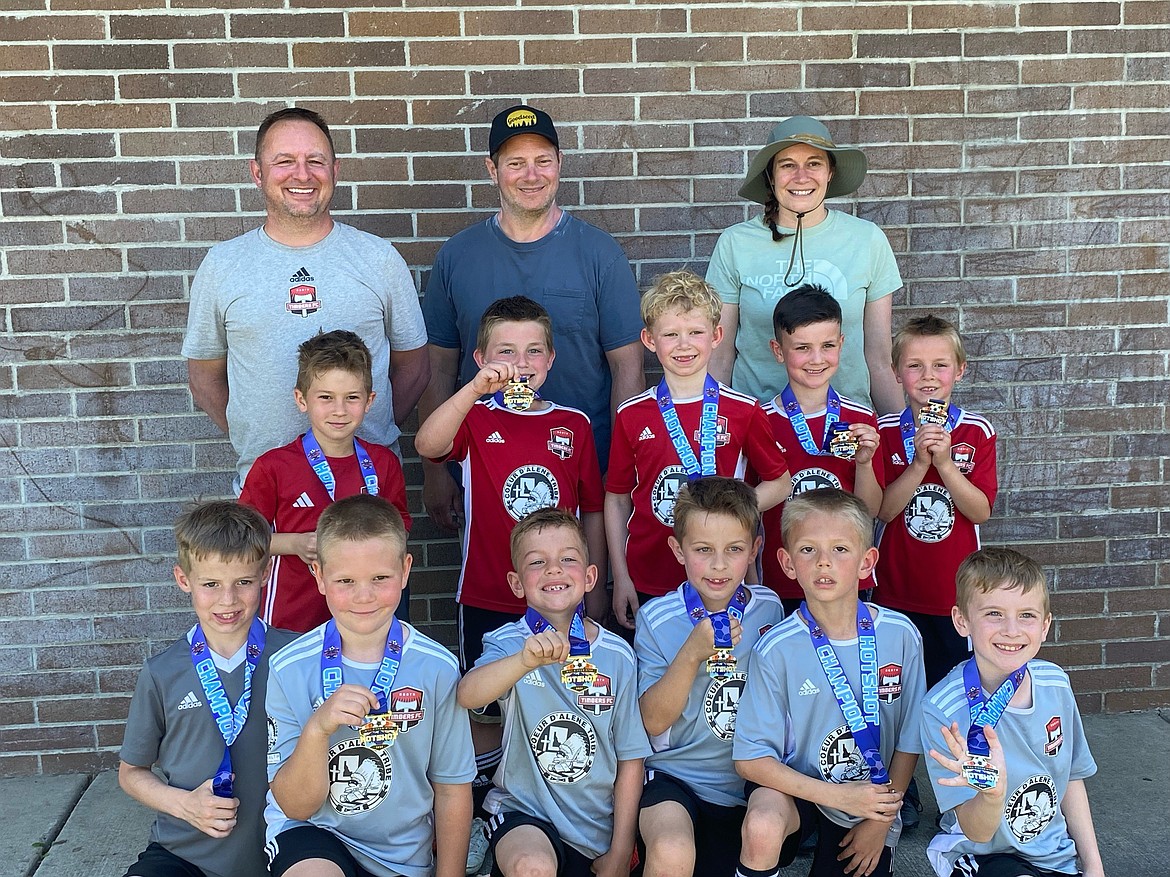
x,y
797,235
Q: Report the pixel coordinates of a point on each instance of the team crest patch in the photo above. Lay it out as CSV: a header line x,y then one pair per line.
x,y
1031,807
722,433
406,708
302,299
665,492
766,628
271,726
930,514
963,455
889,683
721,704
840,758
1055,736
359,777
564,744
560,441
813,478
598,697
530,488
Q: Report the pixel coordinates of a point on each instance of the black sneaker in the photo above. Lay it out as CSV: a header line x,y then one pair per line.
x,y
911,807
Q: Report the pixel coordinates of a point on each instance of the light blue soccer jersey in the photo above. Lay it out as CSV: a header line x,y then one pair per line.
x,y
1044,746
562,746
789,712
380,800
696,749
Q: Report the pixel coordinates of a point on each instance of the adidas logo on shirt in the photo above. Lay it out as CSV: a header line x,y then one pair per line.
x,y
495,439
646,435
190,702
807,688
898,459
302,276
533,678
303,502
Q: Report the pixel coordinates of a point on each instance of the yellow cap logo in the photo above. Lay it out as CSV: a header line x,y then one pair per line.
x,y
520,119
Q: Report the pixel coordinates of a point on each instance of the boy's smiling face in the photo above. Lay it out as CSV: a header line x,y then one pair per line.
x,y
362,581
225,594
1007,628
716,550
525,344
336,404
552,573
810,354
683,341
928,369
826,557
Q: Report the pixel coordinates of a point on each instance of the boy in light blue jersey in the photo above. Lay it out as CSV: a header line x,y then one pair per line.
x,y
566,795
370,756
1008,751
827,728
693,646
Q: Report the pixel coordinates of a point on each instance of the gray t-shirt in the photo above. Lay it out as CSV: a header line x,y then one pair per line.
x,y
789,711
562,747
255,300
1044,746
170,726
696,749
380,800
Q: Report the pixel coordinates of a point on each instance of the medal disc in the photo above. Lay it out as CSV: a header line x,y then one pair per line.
x,y
979,772
578,674
842,444
933,412
378,731
721,664
518,396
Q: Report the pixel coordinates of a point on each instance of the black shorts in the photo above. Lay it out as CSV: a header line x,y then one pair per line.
x,y
473,624
158,861
717,827
829,837
942,646
1001,865
570,862
311,842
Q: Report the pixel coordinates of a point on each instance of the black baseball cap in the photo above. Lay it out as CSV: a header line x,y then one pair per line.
x,y
521,119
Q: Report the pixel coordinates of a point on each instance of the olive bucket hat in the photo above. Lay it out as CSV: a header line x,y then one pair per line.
x,y
848,171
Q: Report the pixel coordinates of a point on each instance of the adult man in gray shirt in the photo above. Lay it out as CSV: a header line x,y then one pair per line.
x,y
258,296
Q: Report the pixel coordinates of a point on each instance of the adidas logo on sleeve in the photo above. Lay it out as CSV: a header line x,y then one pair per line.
x,y
495,438
304,501
646,435
190,702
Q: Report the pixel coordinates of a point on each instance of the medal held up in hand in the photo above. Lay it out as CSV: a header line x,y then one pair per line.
x,y
979,772
934,413
518,396
841,442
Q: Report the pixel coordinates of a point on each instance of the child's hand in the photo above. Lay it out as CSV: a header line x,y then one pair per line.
x,y
348,705
862,846
925,439
546,647
493,377
700,643
306,547
870,801
957,744
625,601
610,864
940,449
867,442
214,816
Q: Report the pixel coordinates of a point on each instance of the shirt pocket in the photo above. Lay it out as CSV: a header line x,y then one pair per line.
x,y
566,308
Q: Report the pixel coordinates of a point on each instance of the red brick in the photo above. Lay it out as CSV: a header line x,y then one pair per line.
x,y
51,28
1069,15
1031,42
530,22
232,53
525,81
946,72
850,18
25,117
167,27
294,84
73,260
568,51
18,57
283,24
175,85
747,78
56,88
914,45
749,20
1120,41
799,47
402,23
961,16
403,82
632,21
368,53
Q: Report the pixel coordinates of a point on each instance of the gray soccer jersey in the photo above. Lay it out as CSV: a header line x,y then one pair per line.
x,y
789,712
380,800
696,749
171,726
562,746
1044,746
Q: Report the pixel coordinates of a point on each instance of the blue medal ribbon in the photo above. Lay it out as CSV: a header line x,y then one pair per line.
x,y
320,464
704,464
229,721
720,621
578,639
986,712
909,430
332,675
864,721
800,423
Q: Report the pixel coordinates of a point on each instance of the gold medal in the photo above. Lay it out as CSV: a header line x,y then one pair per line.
x,y
979,772
842,443
378,731
934,412
721,664
518,396
578,674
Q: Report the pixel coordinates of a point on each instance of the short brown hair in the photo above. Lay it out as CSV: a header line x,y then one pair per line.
x,y
717,495
929,326
223,529
357,518
339,349
682,291
292,114
515,309
546,519
996,568
829,501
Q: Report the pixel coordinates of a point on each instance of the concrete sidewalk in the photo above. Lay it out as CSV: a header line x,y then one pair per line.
x,y
75,826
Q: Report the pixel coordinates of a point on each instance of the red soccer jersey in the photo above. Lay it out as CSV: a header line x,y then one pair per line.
x,y
515,462
644,464
809,471
921,549
283,487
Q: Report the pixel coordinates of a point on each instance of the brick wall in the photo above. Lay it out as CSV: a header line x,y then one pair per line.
x,y
1018,155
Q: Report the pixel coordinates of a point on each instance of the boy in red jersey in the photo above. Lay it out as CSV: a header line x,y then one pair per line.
x,y
689,426
827,439
291,485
